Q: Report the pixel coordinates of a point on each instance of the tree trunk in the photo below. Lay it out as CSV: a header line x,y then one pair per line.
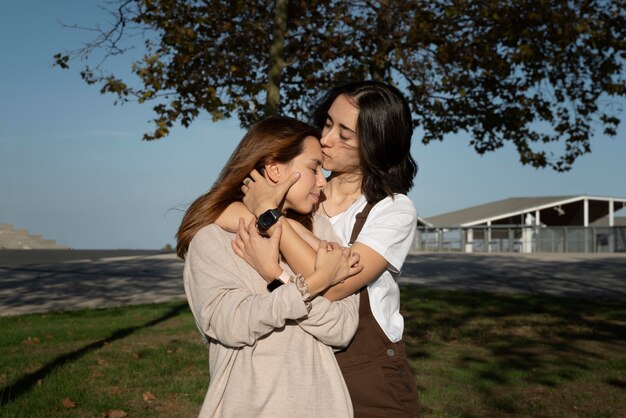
x,y
276,61
384,25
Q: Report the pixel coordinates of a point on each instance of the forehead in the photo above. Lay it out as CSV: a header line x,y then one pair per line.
x,y
344,111
311,148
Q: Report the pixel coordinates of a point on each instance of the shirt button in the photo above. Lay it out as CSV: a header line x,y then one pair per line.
x,y
391,352
408,389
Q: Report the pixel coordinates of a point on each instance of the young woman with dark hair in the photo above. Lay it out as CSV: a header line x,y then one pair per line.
x,y
270,347
366,139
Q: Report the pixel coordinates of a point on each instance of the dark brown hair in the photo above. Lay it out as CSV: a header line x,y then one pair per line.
x,y
277,139
384,129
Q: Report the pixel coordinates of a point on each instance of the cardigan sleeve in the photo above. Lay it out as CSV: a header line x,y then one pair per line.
x,y
333,323
225,309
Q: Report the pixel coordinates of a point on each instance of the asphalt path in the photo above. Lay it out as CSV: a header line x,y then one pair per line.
x,y
34,281
566,275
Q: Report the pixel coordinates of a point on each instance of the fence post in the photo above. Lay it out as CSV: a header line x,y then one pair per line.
x,y
463,240
440,239
594,240
469,244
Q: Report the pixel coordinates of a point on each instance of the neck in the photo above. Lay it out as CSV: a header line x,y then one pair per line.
x,y
341,191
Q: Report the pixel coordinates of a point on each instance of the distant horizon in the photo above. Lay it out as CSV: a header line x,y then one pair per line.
x,y
620,213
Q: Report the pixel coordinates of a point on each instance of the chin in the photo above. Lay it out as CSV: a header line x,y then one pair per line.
x,y
303,210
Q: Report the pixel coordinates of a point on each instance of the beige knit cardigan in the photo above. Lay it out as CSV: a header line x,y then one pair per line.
x,y
268,356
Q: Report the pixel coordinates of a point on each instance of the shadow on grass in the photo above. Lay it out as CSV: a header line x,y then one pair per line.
x,y
20,387
507,342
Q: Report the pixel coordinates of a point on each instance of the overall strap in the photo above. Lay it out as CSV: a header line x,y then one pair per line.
x,y
376,370
361,217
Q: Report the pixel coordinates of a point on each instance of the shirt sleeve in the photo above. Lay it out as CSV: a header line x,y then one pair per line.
x,y
390,229
225,309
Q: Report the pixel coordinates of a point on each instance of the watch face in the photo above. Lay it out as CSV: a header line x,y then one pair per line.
x,y
268,218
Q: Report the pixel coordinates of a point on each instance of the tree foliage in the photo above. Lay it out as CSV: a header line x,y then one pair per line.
x,y
540,74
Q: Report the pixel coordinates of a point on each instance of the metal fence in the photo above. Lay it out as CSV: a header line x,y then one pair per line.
x,y
522,239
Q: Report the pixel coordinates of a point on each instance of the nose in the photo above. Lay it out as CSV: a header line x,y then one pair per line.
x,y
321,180
325,139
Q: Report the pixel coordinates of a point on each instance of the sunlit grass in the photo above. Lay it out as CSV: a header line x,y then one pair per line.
x,y
474,354
146,361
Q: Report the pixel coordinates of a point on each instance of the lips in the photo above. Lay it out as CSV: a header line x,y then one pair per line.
x,y
315,196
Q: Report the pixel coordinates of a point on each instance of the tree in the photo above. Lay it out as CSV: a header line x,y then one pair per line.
x,y
535,73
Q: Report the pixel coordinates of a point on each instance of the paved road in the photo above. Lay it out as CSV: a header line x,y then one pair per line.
x,y
568,275
40,281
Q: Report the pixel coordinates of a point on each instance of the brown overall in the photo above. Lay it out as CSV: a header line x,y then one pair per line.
x,y
376,370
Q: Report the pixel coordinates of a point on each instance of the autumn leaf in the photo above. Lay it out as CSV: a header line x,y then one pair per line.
x,y
114,413
101,362
68,403
32,341
95,372
115,390
148,397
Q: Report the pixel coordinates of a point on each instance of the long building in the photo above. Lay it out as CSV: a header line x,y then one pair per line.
x,y
529,224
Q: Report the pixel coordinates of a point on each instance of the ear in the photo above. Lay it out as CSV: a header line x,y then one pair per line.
x,y
273,172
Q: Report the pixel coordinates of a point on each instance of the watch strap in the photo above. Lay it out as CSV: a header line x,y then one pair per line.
x,y
284,277
279,281
274,284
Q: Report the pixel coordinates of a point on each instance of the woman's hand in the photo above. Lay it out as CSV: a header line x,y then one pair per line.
x,y
336,263
260,253
260,195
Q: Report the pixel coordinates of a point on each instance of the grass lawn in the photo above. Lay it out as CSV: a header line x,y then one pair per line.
x,y
474,354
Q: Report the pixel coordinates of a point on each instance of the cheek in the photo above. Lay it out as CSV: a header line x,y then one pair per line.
x,y
297,199
295,194
302,188
351,154
311,182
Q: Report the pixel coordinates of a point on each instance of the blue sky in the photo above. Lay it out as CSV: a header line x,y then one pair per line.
x,y
73,167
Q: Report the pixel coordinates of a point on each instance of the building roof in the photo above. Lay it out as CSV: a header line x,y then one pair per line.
x,y
513,211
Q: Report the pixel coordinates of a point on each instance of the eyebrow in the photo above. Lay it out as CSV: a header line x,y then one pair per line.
x,y
341,125
316,161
